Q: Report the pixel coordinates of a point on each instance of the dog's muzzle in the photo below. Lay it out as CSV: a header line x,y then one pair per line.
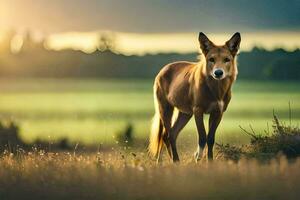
x,y
218,73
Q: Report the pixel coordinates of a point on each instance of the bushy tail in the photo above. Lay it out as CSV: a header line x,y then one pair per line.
x,y
156,135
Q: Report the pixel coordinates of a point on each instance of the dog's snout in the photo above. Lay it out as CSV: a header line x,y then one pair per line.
x,y
218,73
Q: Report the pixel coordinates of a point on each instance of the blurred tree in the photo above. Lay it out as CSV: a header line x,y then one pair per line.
x,y
106,42
5,42
36,61
29,43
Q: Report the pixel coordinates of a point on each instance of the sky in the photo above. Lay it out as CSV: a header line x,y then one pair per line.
x,y
146,19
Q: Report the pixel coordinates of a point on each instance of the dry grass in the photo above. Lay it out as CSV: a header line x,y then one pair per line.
x,y
128,173
284,139
125,175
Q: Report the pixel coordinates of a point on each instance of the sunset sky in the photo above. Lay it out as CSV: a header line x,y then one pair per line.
x,y
144,26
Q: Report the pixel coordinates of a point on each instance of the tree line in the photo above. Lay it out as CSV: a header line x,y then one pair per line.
x,y
34,60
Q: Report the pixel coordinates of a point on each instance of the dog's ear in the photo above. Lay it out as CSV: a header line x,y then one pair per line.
x,y
205,43
234,43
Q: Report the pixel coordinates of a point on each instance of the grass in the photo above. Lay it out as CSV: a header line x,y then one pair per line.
x,y
284,139
89,111
124,175
124,172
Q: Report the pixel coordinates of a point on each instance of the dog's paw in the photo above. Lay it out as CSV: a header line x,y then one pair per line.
x,y
198,155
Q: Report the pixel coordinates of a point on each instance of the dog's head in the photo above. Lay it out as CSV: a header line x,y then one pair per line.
x,y
220,60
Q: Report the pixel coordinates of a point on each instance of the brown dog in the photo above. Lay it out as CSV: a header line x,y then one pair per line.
x,y
194,89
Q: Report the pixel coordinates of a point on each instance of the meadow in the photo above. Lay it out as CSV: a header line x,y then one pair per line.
x,y
95,111
120,175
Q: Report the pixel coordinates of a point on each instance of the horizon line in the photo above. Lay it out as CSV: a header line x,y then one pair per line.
x,y
155,43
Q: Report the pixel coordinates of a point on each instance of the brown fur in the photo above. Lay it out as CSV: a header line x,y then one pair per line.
x,y
194,89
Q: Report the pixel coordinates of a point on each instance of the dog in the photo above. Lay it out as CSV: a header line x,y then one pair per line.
x,y
193,89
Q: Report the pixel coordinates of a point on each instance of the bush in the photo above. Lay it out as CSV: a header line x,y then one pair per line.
x,y
284,140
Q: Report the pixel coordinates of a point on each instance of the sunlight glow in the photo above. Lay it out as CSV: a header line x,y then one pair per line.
x,y
130,43
140,44
86,42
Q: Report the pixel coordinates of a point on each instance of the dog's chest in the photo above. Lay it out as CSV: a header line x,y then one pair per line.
x,y
214,106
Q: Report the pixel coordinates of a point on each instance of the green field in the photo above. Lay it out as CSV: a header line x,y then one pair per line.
x,y
94,111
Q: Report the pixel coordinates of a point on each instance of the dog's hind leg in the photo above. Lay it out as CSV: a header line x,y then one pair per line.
x,y
179,124
166,113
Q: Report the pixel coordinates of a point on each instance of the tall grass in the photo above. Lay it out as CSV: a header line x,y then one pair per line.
x,y
284,139
128,173
120,175
124,173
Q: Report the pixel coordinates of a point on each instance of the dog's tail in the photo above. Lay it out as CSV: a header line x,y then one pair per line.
x,y
156,135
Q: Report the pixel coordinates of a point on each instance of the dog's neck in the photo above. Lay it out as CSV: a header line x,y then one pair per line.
x,y
219,88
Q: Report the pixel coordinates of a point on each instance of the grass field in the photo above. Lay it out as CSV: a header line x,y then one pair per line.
x,y
94,111
121,175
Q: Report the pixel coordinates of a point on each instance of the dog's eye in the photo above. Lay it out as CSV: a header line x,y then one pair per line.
x,y
211,60
226,60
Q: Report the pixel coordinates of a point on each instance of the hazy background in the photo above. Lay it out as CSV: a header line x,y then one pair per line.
x,y
83,70
153,26
153,16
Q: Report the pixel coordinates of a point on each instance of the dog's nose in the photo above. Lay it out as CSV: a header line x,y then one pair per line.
x,y
218,73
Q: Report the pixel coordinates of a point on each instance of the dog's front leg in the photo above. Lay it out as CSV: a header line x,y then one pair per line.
x,y
201,135
214,121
